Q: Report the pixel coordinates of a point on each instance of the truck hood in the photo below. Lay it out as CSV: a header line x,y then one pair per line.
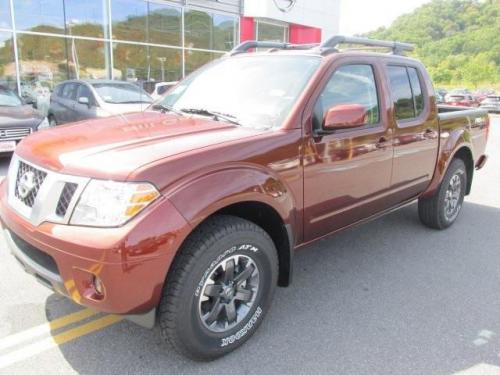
x,y
113,147
116,109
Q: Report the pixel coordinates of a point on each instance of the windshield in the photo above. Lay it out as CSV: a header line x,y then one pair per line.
x,y
121,93
255,91
9,99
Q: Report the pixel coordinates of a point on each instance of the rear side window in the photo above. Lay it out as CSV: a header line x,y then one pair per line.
x,y
350,84
58,90
418,95
401,93
68,91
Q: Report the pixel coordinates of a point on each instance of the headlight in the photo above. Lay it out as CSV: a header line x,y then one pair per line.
x,y
44,124
110,203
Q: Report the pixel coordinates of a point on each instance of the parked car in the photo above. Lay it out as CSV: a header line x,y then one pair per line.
x,y
17,120
460,91
462,100
79,100
482,94
188,214
161,88
491,103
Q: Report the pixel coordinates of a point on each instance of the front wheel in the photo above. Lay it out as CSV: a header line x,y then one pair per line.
x,y
219,289
441,210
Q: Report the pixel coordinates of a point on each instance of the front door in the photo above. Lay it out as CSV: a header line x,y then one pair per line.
x,y
347,173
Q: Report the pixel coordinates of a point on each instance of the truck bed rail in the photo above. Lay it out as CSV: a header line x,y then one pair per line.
x,y
447,112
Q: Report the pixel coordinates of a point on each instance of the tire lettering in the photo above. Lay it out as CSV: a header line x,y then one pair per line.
x,y
242,332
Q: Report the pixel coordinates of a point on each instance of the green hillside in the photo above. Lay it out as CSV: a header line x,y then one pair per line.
x,y
458,40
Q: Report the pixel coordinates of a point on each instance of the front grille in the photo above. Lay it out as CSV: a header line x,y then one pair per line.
x,y
39,257
28,182
14,134
65,198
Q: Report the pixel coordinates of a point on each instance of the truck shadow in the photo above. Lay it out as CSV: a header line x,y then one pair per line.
x,y
391,296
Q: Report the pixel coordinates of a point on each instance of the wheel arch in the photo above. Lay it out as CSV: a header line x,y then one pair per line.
x,y
464,153
457,145
268,219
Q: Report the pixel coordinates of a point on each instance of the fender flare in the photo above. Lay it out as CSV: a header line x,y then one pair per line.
x,y
222,188
456,141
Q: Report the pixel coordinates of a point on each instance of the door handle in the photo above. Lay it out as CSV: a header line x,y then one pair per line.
x,y
430,133
382,143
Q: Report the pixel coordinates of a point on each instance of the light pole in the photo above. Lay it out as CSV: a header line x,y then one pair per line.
x,y
162,61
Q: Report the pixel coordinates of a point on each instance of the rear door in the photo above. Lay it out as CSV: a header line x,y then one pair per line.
x,y
415,131
56,105
347,173
66,102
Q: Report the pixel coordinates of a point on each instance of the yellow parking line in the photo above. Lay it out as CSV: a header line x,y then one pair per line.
x,y
18,338
85,329
38,347
71,318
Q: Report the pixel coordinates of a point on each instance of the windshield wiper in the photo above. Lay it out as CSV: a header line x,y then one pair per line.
x,y
217,116
166,108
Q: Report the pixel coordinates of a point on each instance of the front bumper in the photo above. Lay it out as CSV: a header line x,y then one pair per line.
x,y
132,261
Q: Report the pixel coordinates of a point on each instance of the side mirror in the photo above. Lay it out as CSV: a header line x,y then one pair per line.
x,y
345,116
84,100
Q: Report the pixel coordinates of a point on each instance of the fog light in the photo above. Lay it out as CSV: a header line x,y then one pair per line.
x,y
98,285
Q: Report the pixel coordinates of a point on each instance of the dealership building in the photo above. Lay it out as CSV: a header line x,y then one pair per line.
x,y
43,42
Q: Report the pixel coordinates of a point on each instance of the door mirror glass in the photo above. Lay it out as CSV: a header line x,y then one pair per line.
x,y
84,100
345,116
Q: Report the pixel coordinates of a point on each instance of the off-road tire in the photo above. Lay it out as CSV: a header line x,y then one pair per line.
x,y
432,210
218,239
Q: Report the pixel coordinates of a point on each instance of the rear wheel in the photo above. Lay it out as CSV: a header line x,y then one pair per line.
x,y
219,289
441,210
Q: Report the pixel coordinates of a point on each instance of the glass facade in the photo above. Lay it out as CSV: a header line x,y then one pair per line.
x,y
44,42
271,32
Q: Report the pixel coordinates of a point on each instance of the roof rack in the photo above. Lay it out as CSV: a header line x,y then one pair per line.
x,y
328,46
250,44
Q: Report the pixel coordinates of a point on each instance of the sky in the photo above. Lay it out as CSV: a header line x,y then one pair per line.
x,y
359,16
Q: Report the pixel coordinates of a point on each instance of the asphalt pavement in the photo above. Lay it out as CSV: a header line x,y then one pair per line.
x,y
387,297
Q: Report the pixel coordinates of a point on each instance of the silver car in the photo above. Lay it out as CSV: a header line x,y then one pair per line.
x,y
85,99
491,103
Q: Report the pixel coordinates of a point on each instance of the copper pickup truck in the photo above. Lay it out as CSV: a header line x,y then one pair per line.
x,y
188,215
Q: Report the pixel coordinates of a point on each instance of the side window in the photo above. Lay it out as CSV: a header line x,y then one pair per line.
x,y
406,92
350,84
418,95
58,90
401,92
84,92
163,89
68,91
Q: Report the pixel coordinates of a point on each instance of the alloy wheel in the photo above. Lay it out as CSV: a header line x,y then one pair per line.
x,y
229,293
452,198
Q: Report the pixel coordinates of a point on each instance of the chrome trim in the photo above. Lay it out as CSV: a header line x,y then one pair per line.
x,y
44,208
14,134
